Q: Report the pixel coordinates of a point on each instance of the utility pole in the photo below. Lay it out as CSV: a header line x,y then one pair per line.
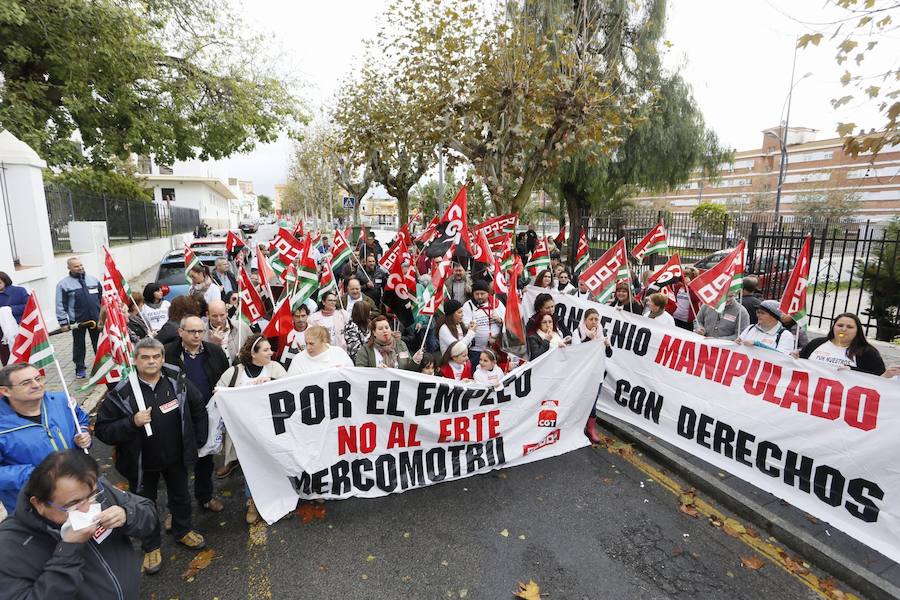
x,y
440,197
784,132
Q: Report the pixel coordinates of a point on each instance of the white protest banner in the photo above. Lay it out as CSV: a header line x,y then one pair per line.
x,y
365,432
823,440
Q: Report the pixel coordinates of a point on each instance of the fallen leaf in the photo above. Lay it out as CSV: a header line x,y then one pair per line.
x,y
406,535
324,568
226,493
811,518
406,578
363,576
752,562
444,563
752,532
827,584
370,558
607,481
309,511
538,477
529,591
715,521
463,593
199,562
522,537
733,528
502,475
730,574
689,510
795,566
505,533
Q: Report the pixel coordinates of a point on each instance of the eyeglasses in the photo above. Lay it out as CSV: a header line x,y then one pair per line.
x,y
74,504
193,331
38,379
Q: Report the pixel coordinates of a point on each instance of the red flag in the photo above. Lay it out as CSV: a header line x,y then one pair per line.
x,y
793,301
713,286
252,307
481,249
286,247
540,258
430,231
497,227
396,254
113,277
582,254
362,235
266,274
512,320
32,344
404,234
456,218
398,283
340,248
282,321
670,273
298,229
233,245
601,277
656,240
560,238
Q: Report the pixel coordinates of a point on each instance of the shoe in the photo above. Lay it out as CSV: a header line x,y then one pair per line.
x,y
152,562
214,505
167,523
590,430
226,469
80,373
192,540
252,514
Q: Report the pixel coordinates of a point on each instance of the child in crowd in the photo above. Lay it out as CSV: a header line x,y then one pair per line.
x,y
488,372
429,365
456,364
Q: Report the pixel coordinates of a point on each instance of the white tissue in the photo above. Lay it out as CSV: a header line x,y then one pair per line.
x,y
80,520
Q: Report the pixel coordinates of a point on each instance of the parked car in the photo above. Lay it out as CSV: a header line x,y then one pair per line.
x,y
209,245
171,271
249,226
773,269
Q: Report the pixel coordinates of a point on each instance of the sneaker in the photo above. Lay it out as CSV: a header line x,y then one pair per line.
x,y
152,562
192,540
226,469
214,505
252,514
167,523
80,373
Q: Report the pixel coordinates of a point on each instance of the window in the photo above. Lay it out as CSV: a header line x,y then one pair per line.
x,y
810,156
806,177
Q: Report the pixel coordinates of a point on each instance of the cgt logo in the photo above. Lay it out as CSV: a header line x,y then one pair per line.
x,y
547,414
550,439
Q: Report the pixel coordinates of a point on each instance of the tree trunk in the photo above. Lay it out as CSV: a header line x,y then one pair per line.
x,y
574,210
402,196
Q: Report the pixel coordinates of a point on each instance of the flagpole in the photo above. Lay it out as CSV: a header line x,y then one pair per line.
x,y
427,327
130,299
239,316
69,400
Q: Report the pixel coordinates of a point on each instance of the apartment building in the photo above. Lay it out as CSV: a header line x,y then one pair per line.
x,y
820,167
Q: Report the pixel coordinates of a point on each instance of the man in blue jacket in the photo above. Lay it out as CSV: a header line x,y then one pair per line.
x,y
77,301
33,423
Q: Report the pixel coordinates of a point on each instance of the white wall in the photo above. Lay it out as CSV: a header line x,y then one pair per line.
x,y
131,259
214,208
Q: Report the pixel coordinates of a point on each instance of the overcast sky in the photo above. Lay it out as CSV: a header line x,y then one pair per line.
x,y
735,53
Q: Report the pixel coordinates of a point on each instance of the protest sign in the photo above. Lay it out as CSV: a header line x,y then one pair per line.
x,y
348,432
823,440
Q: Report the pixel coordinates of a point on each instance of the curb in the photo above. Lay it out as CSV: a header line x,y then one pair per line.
x,y
798,540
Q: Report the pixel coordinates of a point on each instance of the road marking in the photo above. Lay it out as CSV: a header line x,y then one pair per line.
x,y
258,584
776,554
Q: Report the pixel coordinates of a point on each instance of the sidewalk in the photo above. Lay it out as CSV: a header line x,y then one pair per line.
x,y
816,541
62,345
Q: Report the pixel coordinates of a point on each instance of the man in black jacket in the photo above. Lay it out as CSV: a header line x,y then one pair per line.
x,y
177,416
40,557
224,278
202,364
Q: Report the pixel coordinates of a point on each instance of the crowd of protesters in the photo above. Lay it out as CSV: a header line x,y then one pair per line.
x,y
186,349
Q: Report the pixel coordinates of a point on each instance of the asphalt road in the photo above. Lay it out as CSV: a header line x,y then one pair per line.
x,y
586,525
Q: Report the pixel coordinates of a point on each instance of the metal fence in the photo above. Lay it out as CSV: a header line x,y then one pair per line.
x,y
126,220
855,267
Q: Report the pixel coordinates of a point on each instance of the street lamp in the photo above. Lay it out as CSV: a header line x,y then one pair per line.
x,y
782,140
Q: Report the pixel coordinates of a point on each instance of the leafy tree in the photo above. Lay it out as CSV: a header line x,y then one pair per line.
x,y
667,143
383,117
265,204
312,188
711,217
882,280
119,182
86,81
835,206
522,87
866,28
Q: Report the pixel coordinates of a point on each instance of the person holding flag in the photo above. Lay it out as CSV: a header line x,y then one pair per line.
x,y
33,423
487,312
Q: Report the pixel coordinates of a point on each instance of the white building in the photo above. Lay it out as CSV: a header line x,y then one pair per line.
x,y
209,195
246,206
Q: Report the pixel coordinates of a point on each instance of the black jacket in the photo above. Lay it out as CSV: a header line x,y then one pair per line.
x,y
218,280
115,423
869,361
536,346
214,367
168,332
35,564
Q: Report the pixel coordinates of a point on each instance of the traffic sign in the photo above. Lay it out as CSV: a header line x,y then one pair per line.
x,y
349,201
